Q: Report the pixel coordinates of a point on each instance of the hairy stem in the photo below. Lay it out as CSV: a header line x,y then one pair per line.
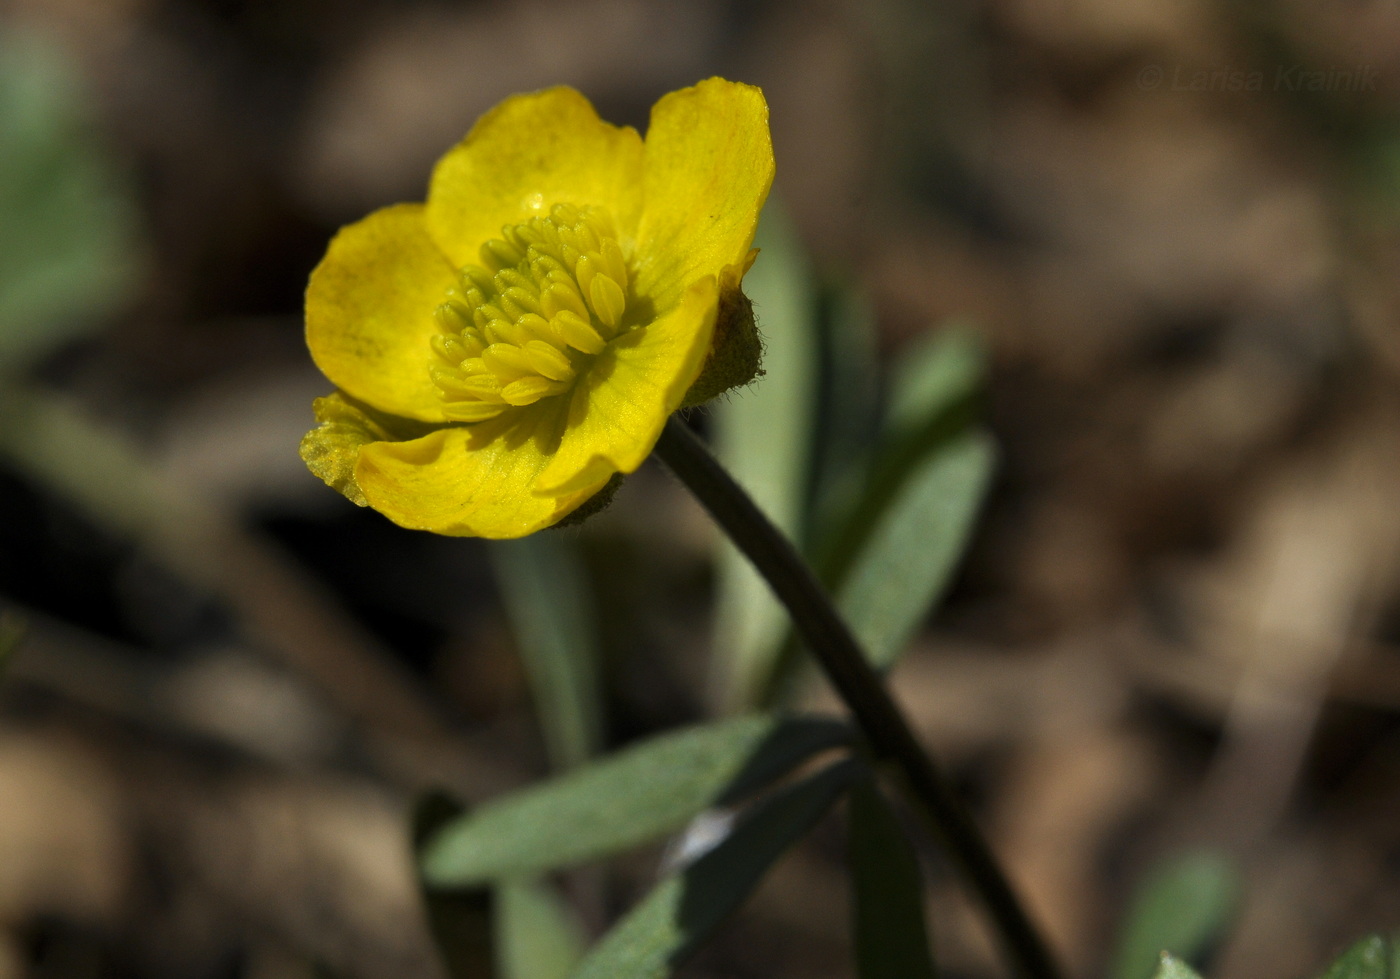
x,y
885,728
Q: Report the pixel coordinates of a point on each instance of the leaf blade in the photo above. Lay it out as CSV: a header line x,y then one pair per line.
x,y
545,590
1170,967
67,227
536,935
889,928
907,561
625,800
685,909
763,435
1182,907
1370,958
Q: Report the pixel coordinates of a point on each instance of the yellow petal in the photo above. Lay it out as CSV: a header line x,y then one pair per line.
x,y
369,311
332,449
620,404
709,165
473,481
524,156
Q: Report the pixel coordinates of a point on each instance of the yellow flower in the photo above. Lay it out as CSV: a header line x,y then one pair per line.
x,y
504,349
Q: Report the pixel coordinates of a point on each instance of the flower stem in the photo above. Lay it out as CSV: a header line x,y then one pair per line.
x,y
885,728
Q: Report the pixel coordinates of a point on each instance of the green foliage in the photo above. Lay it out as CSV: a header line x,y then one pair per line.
x,y
546,594
686,907
623,801
67,230
764,435
940,372
1371,958
908,559
849,405
1170,967
931,402
886,507
537,936
1183,907
898,521
890,936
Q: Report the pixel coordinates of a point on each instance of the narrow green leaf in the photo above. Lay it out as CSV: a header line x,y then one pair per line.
x,y
685,908
932,399
891,936
911,553
67,230
630,798
546,594
763,435
1170,967
1183,907
537,935
848,407
1370,958
889,552
940,371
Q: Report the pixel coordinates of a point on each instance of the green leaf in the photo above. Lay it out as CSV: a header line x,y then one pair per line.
x,y
848,407
888,554
1173,968
763,435
1371,958
623,801
546,594
67,229
942,370
913,549
685,908
1183,907
537,936
891,937
932,399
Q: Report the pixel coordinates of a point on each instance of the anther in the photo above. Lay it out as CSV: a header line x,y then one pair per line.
x,y
452,318
607,299
550,293
548,360
497,254
473,411
578,332
560,298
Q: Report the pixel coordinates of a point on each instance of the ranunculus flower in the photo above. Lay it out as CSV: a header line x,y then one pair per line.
x,y
507,348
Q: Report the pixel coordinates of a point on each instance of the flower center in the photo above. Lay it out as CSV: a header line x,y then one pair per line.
x,y
548,296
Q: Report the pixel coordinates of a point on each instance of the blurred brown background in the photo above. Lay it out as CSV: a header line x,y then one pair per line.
x,y
1178,624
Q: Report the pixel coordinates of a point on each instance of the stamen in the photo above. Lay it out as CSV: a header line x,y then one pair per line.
x,y
528,390
522,326
548,361
578,332
607,299
472,411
